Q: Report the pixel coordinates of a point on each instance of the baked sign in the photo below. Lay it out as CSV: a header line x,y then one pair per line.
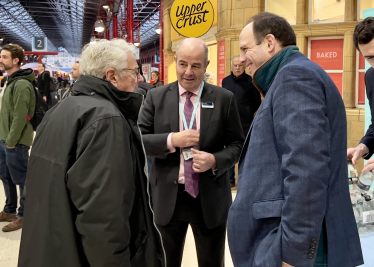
x,y
192,18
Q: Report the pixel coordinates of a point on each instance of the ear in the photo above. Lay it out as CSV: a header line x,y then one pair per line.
x,y
15,61
110,76
270,43
207,64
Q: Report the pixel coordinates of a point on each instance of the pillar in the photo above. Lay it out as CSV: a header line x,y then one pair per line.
x,y
349,71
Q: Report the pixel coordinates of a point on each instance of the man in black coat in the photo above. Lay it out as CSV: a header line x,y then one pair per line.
x,y
44,83
247,97
192,153
87,192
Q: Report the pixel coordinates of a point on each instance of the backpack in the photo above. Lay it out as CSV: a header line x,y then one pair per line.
x,y
52,84
40,106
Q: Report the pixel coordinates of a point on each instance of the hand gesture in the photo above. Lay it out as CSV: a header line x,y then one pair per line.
x,y
202,161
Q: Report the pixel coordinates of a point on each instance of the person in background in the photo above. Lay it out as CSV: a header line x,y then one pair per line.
x,y
75,74
44,83
143,87
155,79
209,77
16,133
192,153
247,97
363,38
293,206
87,194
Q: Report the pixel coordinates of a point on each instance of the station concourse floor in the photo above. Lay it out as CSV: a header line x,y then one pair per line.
x,y
9,245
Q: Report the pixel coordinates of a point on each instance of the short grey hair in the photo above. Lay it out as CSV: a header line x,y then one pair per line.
x,y
205,48
96,58
232,59
209,76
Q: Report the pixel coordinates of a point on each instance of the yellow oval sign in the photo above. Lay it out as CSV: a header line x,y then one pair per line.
x,y
192,18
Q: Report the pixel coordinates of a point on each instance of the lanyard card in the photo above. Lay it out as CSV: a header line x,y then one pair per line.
x,y
187,153
207,105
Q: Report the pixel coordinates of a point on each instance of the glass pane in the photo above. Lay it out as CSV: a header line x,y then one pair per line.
x,y
365,4
284,8
328,10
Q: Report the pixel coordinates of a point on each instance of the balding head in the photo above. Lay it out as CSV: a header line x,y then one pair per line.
x,y
194,43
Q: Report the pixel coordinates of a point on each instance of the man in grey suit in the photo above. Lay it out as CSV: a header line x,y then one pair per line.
x,y
192,129
293,206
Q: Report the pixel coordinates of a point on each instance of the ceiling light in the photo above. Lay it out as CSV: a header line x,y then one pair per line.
x,y
106,6
136,44
158,28
93,40
99,25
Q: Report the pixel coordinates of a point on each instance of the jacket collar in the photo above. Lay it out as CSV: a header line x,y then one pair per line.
x,y
239,77
127,102
265,74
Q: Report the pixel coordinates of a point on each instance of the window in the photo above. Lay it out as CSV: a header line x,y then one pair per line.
x,y
328,53
363,5
284,8
360,79
326,10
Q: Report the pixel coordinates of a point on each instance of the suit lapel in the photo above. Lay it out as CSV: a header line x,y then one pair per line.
x,y
172,103
205,113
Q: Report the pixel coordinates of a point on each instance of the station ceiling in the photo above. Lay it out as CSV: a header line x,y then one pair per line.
x,y
66,23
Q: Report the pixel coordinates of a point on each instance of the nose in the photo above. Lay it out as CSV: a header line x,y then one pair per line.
x,y
188,71
242,58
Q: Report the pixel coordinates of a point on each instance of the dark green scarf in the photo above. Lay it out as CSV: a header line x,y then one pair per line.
x,y
264,76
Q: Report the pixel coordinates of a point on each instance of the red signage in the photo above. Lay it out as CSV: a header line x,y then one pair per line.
x,y
221,62
328,53
165,69
338,80
361,80
145,70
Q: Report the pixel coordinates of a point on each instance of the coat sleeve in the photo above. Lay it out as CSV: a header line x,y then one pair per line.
x,y
302,134
368,139
102,188
21,102
155,144
229,156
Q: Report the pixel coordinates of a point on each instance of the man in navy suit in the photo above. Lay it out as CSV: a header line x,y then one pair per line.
x,y
363,39
293,206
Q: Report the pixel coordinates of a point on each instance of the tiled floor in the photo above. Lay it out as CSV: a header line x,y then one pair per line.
x,y
9,246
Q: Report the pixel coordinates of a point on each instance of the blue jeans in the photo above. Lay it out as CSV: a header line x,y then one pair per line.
x,y
13,169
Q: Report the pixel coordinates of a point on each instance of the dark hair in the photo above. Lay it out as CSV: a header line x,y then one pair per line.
x,y
42,64
77,61
266,23
364,32
16,51
156,72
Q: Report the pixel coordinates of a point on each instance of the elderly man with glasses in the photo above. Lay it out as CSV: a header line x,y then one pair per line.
x,y
87,187
247,97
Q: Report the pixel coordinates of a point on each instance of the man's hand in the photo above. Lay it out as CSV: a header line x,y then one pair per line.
x,y
45,98
186,138
369,166
355,153
203,161
286,264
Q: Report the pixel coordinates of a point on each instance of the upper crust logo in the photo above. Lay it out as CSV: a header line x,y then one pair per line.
x,y
192,18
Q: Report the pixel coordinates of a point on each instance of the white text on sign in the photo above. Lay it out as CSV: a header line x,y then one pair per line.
x,y
327,54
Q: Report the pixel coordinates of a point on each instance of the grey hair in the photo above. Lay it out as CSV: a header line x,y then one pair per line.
x,y
205,48
232,59
96,58
209,76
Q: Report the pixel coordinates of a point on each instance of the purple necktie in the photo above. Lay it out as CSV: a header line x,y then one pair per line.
x,y
191,178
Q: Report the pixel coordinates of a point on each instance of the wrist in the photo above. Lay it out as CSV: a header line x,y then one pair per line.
x,y
364,149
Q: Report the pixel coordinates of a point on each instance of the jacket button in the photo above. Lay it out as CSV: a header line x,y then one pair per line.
x,y
314,240
175,182
313,245
312,250
310,256
92,93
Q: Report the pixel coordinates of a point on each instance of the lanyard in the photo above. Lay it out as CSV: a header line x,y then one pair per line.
x,y
194,109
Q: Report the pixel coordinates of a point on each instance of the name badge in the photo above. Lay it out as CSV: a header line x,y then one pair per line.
x,y
187,153
207,105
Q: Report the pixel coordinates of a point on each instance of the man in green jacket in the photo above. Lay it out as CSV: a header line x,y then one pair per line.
x,y
16,132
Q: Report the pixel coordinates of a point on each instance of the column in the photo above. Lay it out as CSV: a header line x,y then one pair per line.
x,y
349,71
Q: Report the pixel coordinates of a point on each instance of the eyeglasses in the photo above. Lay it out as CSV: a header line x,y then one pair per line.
x,y
136,71
238,66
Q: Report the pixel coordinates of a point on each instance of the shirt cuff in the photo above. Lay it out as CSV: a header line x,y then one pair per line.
x,y
366,150
169,144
